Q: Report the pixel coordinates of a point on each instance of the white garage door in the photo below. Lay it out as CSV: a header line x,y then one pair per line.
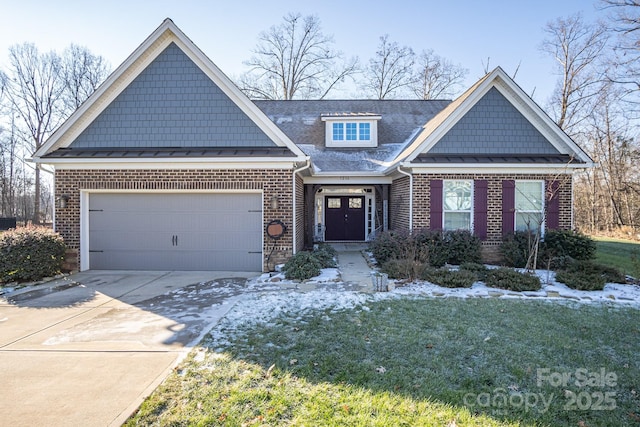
x,y
189,231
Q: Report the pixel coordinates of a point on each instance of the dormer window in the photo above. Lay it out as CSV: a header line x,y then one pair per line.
x,y
351,130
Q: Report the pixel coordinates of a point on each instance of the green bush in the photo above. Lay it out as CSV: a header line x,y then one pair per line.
x,y
589,276
476,268
449,278
507,278
302,266
581,280
402,268
390,245
326,255
515,248
462,246
30,253
557,248
566,243
433,247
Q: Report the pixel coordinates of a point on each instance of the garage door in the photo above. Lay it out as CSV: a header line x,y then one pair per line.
x,y
175,231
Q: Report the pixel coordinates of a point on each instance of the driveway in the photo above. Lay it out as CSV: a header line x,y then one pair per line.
x,y
89,352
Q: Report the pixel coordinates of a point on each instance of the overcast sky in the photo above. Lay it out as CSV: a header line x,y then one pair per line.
x,y
468,32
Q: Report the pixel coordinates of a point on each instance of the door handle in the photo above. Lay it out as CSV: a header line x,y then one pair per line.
x,y
176,240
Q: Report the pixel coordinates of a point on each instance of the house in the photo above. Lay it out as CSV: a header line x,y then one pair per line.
x,y
169,166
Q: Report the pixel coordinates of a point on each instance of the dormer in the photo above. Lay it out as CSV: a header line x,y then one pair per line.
x,y
351,130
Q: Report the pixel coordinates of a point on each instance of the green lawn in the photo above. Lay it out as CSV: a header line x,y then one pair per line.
x,y
440,362
622,254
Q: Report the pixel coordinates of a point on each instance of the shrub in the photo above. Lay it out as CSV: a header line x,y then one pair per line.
x,y
476,268
449,279
30,253
390,245
515,248
326,255
581,280
431,247
462,246
589,276
434,247
507,278
302,266
567,243
402,268
557,248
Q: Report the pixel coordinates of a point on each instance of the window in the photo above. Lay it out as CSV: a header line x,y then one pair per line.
x,y
351,130
355,203
338,131
365,131
333,203
457,204
529,205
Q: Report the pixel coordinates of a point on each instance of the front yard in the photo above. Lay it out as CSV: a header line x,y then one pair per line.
x,y
618,253
322,358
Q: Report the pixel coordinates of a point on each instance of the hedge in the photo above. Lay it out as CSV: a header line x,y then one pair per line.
x,y
30,253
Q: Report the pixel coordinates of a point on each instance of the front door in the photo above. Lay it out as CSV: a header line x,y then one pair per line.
x,y
344,218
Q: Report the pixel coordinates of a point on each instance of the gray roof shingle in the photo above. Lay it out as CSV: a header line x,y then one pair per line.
x,y
301,121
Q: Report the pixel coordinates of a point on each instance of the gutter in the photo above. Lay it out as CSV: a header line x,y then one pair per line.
x,y
410,194
306,165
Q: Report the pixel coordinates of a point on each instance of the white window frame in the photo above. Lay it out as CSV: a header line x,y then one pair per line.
x,y
344,142
528,212
445,210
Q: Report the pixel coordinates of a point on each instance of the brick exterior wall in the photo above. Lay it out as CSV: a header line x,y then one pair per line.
x,y
270,182
399,204
421,203
300,218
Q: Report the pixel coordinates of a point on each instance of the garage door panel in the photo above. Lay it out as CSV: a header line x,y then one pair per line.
x,y
130,240
175,231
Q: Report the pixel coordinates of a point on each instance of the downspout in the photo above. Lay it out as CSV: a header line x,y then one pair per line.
x,y
572,201
410,195
295,228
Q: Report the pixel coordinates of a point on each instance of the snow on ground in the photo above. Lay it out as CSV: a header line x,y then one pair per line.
x,y
272,296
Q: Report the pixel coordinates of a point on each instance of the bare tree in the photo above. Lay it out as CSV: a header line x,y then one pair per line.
x,y
625,17
35,91
8,169
436,77
295,60
390,71
577,48
83,73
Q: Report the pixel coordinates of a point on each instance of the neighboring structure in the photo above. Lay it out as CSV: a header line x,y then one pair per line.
x,y
169,166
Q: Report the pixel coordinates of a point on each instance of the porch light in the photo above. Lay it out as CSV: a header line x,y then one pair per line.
x,y
274,202
63,201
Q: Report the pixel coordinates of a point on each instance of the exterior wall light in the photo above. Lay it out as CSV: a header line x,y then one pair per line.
x,y
274,202
63,201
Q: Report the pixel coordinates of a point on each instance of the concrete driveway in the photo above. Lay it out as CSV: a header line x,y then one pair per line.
x,y
91,351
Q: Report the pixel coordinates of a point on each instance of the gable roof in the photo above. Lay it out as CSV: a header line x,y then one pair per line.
x,y
433,132
164,38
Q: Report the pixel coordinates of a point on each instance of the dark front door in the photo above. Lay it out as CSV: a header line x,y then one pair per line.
x,y
344,217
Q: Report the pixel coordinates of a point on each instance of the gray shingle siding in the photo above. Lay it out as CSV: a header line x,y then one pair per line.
x,y
172,103
493,126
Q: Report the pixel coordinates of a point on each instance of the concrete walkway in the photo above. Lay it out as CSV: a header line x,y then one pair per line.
x,y
354,268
